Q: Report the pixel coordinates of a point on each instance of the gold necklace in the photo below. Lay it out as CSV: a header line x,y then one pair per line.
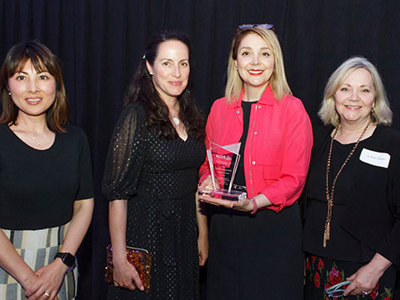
x,y
329,195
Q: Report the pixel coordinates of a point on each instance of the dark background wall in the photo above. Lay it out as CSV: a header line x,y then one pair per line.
x,y
101,41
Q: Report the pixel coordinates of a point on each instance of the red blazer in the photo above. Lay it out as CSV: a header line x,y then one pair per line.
x,y
278,145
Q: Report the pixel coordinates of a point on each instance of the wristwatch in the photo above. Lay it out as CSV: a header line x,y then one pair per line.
x,y
67,258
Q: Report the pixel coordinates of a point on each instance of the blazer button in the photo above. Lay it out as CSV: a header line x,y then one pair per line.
x,y
237,112
253,162
255,132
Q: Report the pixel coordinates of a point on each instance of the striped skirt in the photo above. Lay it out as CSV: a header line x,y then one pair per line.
x,y
37,248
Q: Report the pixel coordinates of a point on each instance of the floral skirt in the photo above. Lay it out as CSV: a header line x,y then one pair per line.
x,y
322,273
37,248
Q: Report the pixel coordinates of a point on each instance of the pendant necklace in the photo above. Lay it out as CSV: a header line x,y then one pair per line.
x,y
329,195
36,141
176,121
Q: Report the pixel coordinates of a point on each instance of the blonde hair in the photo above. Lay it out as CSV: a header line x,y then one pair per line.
x,y
382,113
277,81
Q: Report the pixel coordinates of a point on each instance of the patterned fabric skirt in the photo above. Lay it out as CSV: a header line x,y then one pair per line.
x,y
37,248
322,273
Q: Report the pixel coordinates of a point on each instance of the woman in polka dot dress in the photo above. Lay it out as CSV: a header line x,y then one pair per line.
x,y
151,177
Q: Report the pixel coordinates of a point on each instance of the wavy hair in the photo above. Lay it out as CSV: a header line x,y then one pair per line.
x,y
142,90
382,113
42,59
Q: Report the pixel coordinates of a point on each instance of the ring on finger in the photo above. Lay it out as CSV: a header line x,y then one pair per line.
x,y
47,294
364,293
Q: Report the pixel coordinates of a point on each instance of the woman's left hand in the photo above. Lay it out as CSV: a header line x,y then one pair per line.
x,y
243,205
49,280
202,244
363,281
366,278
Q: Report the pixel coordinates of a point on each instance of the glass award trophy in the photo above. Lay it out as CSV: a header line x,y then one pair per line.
x,y
223,162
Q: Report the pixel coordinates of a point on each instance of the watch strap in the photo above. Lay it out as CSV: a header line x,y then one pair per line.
x,y
67,258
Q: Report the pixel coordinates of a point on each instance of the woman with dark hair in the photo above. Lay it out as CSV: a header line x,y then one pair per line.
x,y
255,243
46,198
151,177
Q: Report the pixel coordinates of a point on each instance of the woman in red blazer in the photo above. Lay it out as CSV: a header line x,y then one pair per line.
x,y
255,243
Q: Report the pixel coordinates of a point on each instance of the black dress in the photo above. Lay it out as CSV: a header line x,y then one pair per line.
x,y
159,178
255,257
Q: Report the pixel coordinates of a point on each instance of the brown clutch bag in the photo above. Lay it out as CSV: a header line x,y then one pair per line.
x,y
140,258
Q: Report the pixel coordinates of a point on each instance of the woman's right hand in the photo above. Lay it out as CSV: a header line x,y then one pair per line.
x,y
30,284
126,276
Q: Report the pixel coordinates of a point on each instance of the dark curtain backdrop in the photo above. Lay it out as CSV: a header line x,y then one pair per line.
x,y
101,41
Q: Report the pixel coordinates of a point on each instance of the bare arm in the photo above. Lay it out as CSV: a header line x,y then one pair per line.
x,y
121,175
83,210
12,262
202,240
52,275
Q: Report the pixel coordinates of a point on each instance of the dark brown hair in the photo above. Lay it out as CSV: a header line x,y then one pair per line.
x,y
142,90
42,59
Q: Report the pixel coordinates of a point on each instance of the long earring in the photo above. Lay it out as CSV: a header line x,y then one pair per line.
x,y
372,113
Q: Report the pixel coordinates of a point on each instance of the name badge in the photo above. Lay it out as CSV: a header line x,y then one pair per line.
x,y
379,159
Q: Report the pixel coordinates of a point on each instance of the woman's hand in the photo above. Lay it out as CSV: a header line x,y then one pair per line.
x,y
366,278
14,265
126,276
29,284
208,184
363,281
49,280
124,273
242,205
202,239
202,244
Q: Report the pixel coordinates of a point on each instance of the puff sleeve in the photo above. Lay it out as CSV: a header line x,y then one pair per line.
x,y
125,155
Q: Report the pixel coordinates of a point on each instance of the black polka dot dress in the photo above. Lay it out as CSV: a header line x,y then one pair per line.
x,y
159,178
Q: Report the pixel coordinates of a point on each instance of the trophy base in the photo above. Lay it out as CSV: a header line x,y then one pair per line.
x,y
224,194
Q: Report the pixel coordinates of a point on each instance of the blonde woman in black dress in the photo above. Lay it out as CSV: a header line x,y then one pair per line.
x,y
352,223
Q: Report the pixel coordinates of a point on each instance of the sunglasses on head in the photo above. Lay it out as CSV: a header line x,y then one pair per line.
x,y
263,26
